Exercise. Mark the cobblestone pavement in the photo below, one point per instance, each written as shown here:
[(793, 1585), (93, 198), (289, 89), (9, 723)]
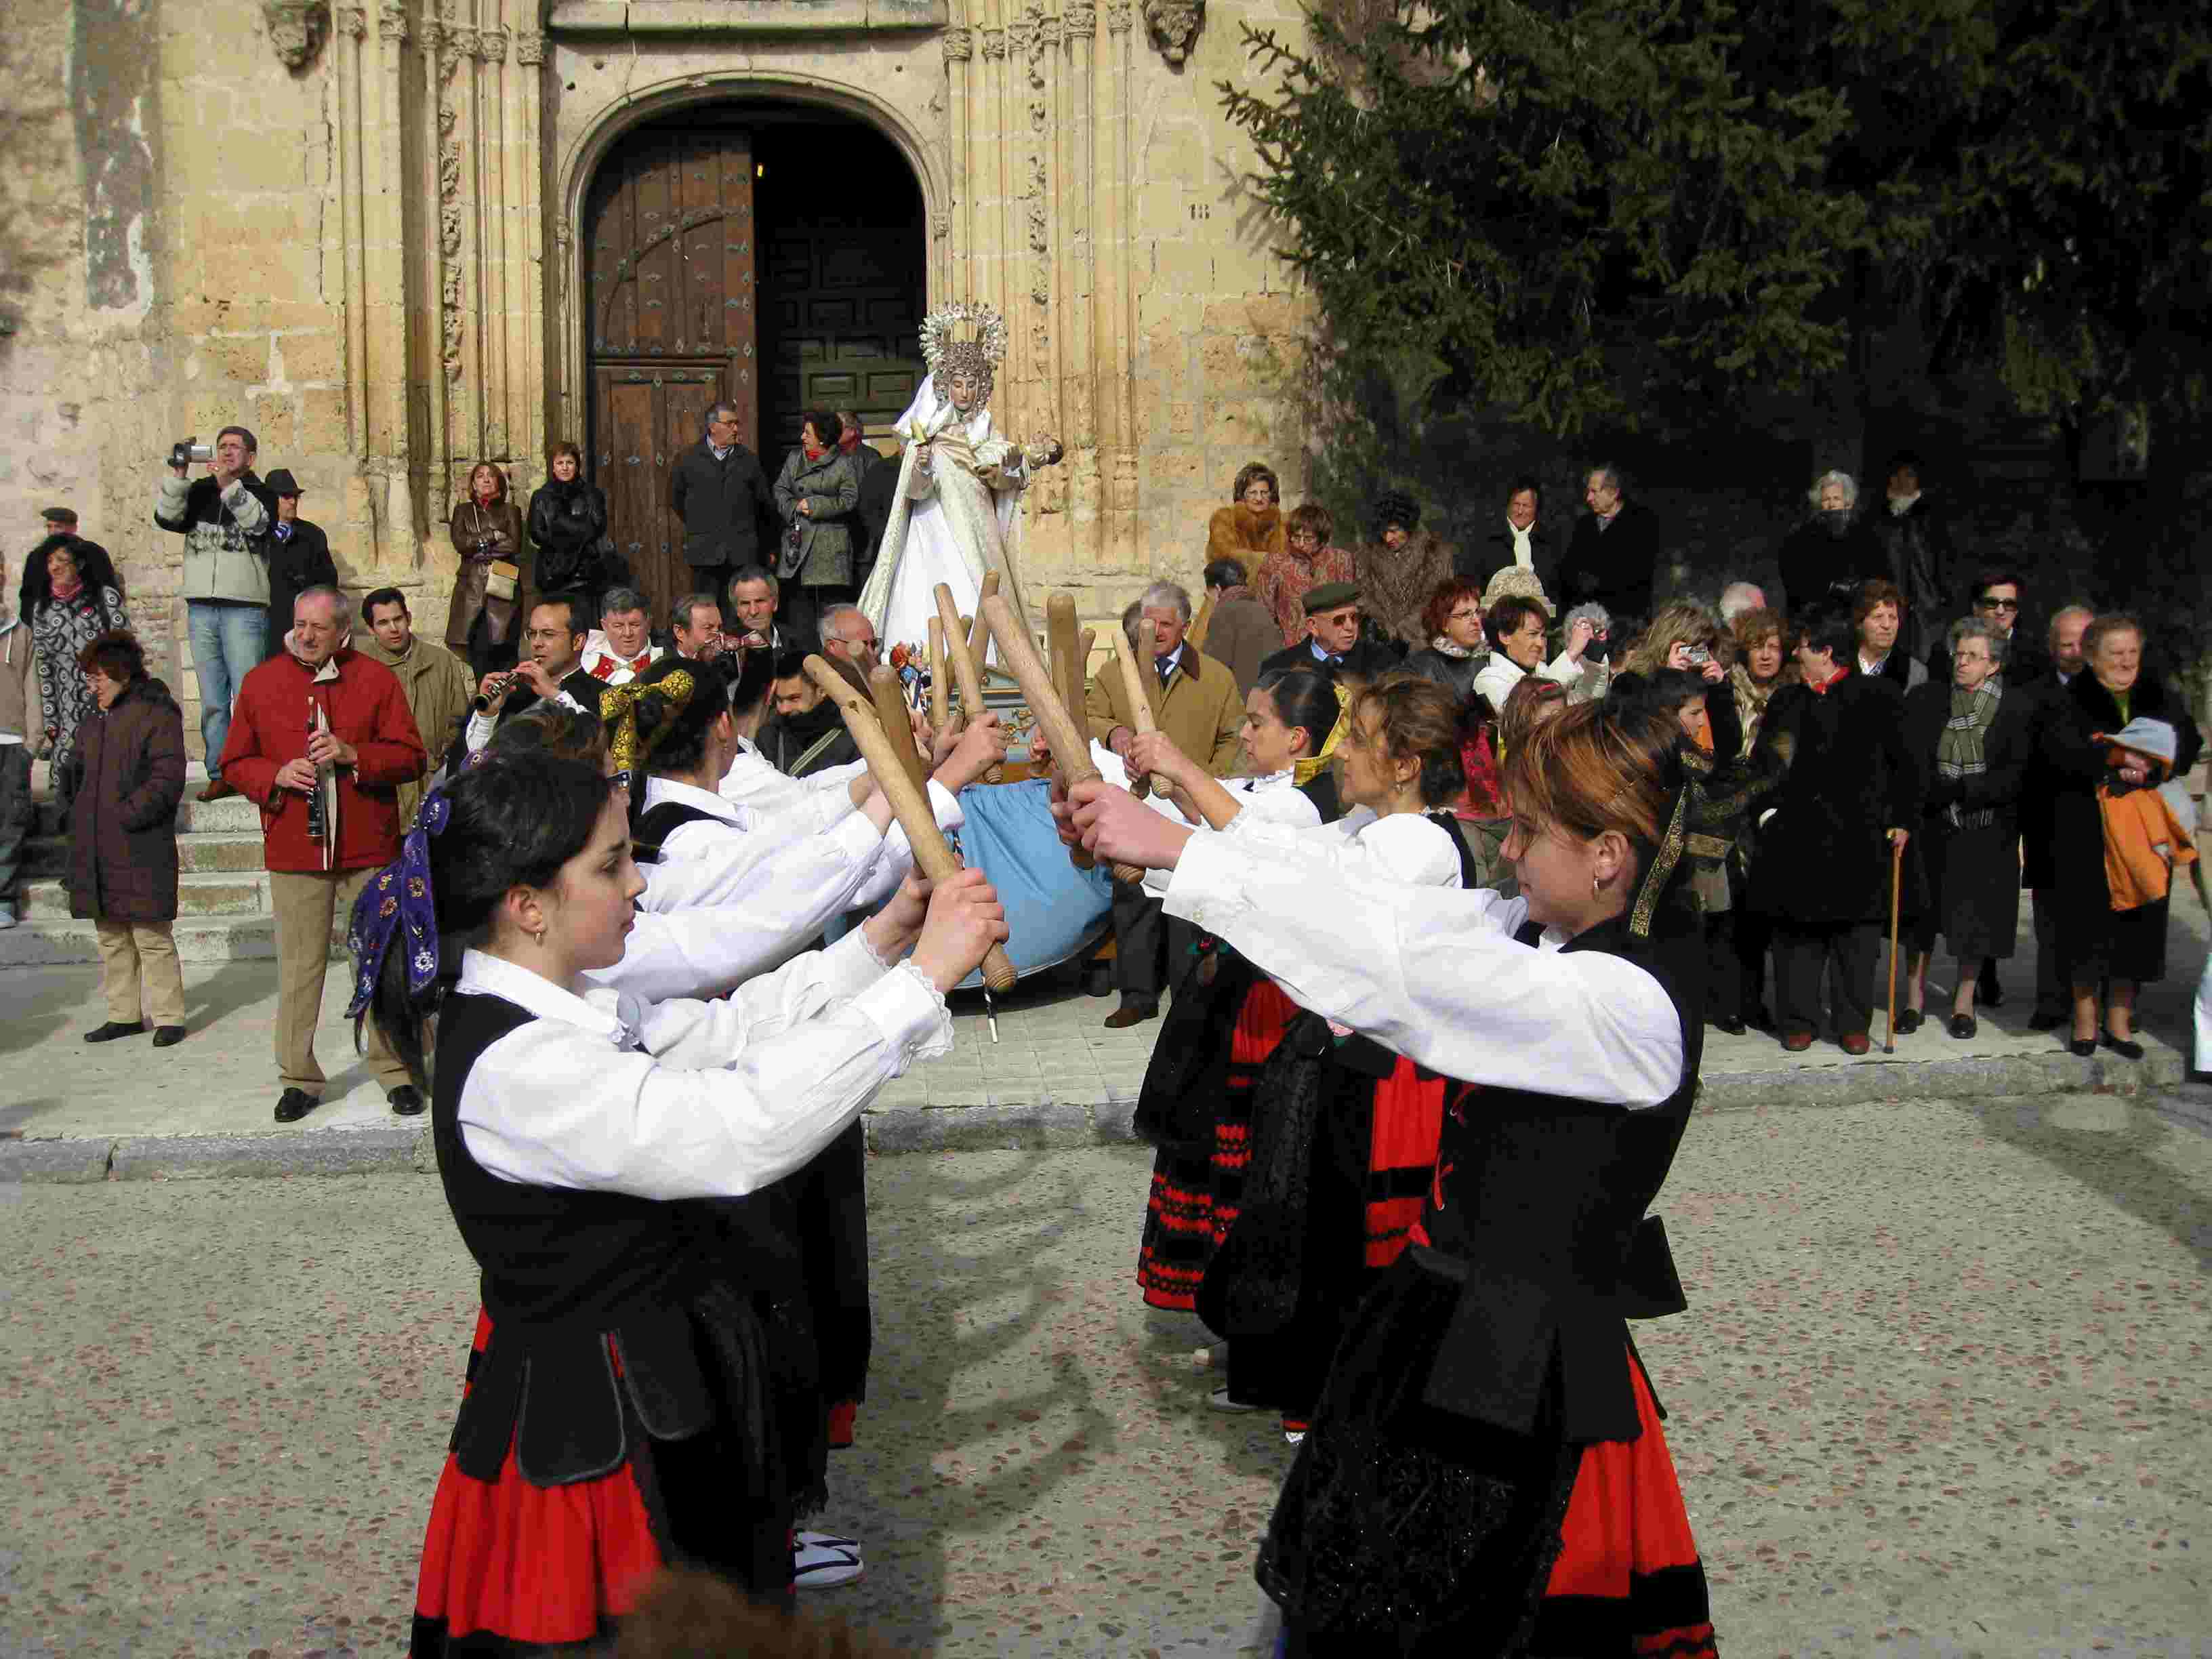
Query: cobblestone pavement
[(1941, 1391)]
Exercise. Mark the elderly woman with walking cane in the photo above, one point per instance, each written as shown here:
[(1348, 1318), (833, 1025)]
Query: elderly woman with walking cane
[(1830, 862)]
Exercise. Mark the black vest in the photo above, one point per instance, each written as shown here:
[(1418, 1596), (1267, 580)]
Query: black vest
[(655, 825), (1539, 1210), (567, 1275)]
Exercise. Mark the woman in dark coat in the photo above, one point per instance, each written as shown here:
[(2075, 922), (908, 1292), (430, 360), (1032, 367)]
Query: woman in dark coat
[(567, 517), (1972, 741), (70, 595), (129, 766), (2097, 944), (1827, 557), (817, 495), (1457, 647), (486, 531), (1822, 875)]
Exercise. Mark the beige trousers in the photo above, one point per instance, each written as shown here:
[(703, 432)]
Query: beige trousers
[(135, 956), (305, 906)]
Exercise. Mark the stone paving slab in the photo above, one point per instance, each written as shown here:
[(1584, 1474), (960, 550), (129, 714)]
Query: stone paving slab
[(1939, 1391)]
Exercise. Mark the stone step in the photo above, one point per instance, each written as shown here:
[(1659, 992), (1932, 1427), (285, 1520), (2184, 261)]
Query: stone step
[(245, 894), (233, 816), (228, 853), (50, 942)]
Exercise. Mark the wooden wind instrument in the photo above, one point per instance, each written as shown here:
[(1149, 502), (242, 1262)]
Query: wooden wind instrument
[(909, 803), (1071, 748)]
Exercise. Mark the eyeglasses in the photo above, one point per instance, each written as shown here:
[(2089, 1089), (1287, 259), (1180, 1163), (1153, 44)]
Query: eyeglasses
[(2000, 604)]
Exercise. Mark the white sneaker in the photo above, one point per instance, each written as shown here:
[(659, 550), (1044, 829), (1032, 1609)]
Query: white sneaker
[(1295, 1436), (820, 1560), (7, 918), (1220, 1402)]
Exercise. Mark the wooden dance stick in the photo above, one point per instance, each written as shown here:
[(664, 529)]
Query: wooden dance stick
[(1141, 717), (963, 667), (979, 630), (890, 695), (1070, 748), (939, 691), (1067, 681), (909, 804)]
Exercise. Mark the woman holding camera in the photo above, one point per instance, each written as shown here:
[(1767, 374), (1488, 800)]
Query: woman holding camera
[(487, 530)]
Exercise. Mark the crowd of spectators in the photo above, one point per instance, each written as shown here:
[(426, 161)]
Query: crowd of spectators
[(1886, 729)]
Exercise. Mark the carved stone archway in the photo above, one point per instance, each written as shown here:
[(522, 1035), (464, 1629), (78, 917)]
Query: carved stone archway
[(568, 289)]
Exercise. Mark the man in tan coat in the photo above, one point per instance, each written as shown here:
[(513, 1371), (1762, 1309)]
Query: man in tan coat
[(436, 681), (1200, 709)]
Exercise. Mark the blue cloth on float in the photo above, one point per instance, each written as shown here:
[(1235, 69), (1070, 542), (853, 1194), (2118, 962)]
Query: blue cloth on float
[(1054, 910)]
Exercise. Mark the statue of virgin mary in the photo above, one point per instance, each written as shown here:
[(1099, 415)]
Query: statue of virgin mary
[(958, 512)]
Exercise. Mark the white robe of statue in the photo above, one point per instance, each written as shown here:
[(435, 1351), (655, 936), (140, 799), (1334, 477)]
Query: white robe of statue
[(949, 524)]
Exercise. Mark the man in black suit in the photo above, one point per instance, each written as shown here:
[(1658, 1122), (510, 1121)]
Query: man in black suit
[(552, 667), (1519, 538), (1332, 644), (299, 557), (718, 490), (2046, 693), (1612, 559)]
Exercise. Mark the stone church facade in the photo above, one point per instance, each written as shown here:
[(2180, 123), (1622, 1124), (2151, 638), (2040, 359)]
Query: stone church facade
[(399, 238)]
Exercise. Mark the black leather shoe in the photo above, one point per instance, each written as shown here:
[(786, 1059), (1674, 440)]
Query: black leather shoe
[(168, 1036), (2082, 1048), (2125, 1048), (2043, 1020), (406, 1101), (114, 1029), (294, 1104), (1732, 1027), (1963, 1026), (1910, 1020)]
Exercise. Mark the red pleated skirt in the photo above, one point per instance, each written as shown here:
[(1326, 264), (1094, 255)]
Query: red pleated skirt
[(1628, 1579), (509, 1564), (1197, 1195)]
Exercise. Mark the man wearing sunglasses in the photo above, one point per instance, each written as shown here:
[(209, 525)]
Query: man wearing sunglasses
[(1997, 602)]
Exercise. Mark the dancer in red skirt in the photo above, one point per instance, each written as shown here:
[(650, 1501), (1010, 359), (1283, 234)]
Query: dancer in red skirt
[(1343, 1133), (622, 1412), (1487, 1473), (1225, 1020)]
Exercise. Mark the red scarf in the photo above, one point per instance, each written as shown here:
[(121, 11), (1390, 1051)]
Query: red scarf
[(1821, 690), (812, 454), (68, 595)]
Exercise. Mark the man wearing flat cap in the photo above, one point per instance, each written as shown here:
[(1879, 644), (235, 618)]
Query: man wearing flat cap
[(298, 558), (1333, 643), (60, 520)]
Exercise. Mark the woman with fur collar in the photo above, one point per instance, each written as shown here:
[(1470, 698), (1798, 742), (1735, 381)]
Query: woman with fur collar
[(1250, 527), (1400, 568)]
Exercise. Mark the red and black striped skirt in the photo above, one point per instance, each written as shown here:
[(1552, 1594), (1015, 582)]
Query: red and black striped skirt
[(1197, 1191)]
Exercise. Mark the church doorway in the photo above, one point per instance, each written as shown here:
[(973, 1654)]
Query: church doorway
[(772, 255)]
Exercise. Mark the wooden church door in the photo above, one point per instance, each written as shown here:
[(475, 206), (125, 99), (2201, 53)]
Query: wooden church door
[(674, 329)]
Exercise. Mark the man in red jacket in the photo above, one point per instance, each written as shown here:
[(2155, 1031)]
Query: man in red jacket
[(315, 715)]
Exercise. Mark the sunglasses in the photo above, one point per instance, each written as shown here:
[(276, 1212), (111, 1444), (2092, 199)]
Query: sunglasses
[(1999, 604)]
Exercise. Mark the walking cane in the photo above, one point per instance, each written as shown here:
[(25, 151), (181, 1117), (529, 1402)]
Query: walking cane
[(1896, 880)]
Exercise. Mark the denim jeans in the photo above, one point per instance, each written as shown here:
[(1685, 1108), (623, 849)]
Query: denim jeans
[(227, 640)]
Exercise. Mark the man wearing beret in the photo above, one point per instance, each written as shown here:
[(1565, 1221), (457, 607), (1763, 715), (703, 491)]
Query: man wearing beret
[(1333, 643), (298, 558)]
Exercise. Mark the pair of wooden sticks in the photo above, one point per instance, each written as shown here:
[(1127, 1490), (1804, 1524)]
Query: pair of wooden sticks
[(899, 770)]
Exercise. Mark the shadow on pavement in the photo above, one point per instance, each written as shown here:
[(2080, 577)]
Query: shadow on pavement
[(2105, 1143)]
